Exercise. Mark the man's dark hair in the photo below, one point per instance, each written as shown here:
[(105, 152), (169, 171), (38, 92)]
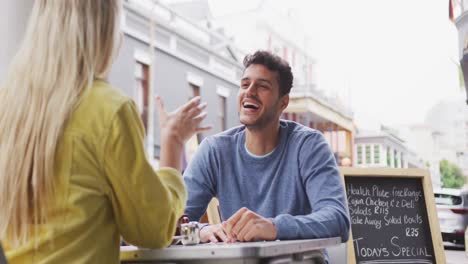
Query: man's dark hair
[(273, 63)]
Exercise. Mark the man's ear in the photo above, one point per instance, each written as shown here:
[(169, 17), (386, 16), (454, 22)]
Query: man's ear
[(284, 102)]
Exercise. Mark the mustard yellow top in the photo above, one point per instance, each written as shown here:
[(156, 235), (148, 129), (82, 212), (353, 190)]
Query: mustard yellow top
[(107, 188)]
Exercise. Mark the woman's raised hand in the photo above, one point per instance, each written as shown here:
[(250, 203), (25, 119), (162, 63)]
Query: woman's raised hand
[(184, 122), (177, 127)]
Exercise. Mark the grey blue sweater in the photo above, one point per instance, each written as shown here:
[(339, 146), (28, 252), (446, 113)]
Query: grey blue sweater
[(297, 185)]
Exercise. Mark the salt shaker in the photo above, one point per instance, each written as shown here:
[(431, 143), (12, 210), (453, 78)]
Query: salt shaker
[(190, 233)]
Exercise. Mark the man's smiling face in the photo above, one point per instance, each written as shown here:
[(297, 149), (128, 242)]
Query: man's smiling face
[(259, 101)]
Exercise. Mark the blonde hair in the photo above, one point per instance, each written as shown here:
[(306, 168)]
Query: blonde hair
[(67, 44)]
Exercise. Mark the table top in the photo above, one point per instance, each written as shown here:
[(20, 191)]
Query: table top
[(228, 250)]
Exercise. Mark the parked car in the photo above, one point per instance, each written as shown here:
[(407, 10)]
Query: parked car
[(452, 210)]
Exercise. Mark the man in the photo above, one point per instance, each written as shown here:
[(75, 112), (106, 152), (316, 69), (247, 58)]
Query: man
[(274, 179)]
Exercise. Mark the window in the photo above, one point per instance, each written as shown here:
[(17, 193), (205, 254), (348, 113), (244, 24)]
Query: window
[(389, 159), (223, 94), (302, 119), (359, 154), (142, 91), (376, 154), (466, 134), (395, 159), (222, 112), (196, 92), (368, 154)]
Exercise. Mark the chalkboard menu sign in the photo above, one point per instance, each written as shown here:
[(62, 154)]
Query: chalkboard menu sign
[(390, 220)]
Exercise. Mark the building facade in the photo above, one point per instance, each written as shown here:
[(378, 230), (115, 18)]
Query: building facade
[(458, 13), (450, 119), (383, 149), (425, 142), (277, 31), (165, 54)]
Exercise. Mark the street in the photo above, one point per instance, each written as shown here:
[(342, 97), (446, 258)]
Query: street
[(455, 256)]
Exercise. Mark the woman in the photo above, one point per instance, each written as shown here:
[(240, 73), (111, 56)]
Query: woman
[(74, 177)]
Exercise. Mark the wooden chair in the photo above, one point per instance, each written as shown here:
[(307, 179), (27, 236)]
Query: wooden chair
[(212, 214)]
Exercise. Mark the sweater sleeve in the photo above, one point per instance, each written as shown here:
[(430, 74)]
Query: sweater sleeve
[(146, 204), (326, 194), (200, 181)]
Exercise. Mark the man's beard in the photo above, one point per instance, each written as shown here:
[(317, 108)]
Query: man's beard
[(264, 120)]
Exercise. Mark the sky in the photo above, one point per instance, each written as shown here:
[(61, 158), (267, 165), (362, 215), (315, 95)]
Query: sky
[(392, 59)]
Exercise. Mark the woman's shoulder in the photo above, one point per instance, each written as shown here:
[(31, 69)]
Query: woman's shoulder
[(105, 95), (102, 98), (98, 106)]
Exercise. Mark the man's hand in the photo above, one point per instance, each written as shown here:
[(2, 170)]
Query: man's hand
[(213, 233), (246, 225)]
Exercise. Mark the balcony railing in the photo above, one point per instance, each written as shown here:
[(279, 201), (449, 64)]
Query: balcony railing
[(311, 91)]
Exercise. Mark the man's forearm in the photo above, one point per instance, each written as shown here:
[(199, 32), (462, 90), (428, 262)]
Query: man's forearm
[(322, 224)]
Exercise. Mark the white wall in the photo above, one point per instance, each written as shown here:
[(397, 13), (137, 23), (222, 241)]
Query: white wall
[(13, 19)]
